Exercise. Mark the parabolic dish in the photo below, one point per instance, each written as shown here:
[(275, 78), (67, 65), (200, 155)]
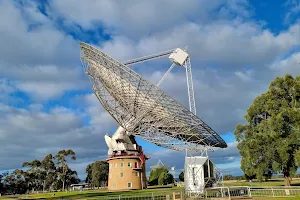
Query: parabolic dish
[(142, 108)]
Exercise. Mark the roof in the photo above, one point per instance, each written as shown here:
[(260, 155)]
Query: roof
[(80, 184), (142, 108), (195, 160)]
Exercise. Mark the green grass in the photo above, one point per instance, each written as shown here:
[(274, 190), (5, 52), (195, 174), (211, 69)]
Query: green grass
[(95, 194), (100, 194), (274, 182), (276, 198)]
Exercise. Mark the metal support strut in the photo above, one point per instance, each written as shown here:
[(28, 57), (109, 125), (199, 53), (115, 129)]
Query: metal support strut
[(165, 75), (189, 80)]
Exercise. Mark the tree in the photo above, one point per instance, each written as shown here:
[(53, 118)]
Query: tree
[(33, 176), (88, 171), (160, 176), (71, 177), (269, 142), (227, 177), (246, 177), (62, 158), (155, 173), (181, 176), (99, 173), (2, 179), (170, 178), (15, 182), (40, 175), (49, 171), (165, 178), (239, 178)]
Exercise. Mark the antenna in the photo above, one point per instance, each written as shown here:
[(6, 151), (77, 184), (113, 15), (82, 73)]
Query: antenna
[(143, 110), (159, 165), (173, 171)]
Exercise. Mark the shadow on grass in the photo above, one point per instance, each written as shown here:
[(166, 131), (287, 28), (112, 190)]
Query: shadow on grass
[(111, 194)]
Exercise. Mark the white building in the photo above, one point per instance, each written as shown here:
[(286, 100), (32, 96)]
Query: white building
[(199, 172)]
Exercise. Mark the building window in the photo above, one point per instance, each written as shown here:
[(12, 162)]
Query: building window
[(116, 165), (122, 174), (136, 174), (129, 164), (135, 165), (114, 185), (130, 185), (122, 164)]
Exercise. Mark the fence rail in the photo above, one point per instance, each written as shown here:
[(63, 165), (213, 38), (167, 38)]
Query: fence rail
[(246, 191), (276, 191), (157, 195), (210, 193)]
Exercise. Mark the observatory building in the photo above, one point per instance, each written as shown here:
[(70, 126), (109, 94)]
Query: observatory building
[(127, 169)]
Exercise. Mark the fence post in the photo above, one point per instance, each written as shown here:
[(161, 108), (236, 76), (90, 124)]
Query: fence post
[(273, 192), (228, 193), (249, 192), (119, 197), (152, 196)]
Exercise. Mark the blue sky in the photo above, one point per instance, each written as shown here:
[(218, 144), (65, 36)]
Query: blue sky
[(46, 102)]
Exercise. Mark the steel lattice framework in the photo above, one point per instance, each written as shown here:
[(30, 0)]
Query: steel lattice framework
[(142, 108)]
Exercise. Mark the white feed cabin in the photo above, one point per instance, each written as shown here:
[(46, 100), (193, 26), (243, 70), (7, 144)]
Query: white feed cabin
[(199, 172), (178, 57)]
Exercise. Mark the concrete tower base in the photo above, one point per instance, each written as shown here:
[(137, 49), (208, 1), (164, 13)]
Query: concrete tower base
[(126, 174)]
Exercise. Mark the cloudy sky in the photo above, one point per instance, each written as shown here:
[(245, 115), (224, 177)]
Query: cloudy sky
[(46, 103)]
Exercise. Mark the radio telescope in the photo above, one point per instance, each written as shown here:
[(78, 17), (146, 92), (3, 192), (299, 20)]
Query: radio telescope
[(143, 110)]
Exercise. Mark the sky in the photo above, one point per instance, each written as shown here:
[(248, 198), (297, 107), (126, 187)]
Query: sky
[(46, 103)]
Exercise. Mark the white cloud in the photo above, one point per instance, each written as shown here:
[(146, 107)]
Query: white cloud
[(5, 87), (45, 82), (28, 134), (231, 43), (244, 76), (24, 45), (290, 64), (6, 90), (230, 60), (219, 157), (34, 54), (100, 119), (294, 9), (135, 19)]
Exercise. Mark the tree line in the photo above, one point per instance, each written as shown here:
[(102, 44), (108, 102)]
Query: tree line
[(53, 173), (228, 177), (50, 174)]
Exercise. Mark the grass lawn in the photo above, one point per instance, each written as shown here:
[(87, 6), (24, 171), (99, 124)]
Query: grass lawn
[(276, 198), (273, 182), (100, 194), (95, 194)]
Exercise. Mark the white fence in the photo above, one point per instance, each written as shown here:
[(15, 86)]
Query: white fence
[(210, 193), (155, 195), (246, 191), (276, 191)]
